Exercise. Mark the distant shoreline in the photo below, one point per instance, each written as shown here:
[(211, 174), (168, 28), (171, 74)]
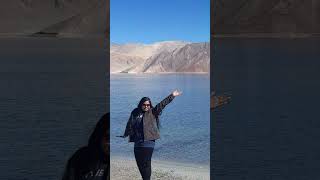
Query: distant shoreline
[(161, 73), (268, 35), (242, 35), (52, 35)]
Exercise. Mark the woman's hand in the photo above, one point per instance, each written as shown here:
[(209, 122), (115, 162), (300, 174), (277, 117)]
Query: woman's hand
[(176, 93)]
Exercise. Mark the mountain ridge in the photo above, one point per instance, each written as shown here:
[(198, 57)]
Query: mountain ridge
[(161, 57), (61, 18)]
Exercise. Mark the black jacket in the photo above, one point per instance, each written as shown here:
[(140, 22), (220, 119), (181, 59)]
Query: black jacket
[(150, 128)]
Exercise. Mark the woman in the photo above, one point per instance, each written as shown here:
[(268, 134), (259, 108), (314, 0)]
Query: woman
[(143, 129)]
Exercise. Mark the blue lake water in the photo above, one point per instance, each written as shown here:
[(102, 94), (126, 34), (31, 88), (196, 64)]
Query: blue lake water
[(185, 122)]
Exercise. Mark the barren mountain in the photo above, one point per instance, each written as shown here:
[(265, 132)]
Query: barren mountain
[(145, 50), (124, 63), (131, 57), (283, 17), (54, 17), (193, 57), (169, 56)]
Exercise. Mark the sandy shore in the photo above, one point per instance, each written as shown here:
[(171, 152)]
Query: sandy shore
[(126, 169)]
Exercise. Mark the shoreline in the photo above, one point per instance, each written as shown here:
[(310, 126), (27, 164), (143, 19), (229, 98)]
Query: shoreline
[(161, 73), (52, 35), (126, 169), (268, 35)]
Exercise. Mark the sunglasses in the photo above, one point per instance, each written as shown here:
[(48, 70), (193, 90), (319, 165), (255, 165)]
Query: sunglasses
[(146, 105)]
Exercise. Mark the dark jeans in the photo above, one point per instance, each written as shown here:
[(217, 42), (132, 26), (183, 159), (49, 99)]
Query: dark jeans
[(143, 158)]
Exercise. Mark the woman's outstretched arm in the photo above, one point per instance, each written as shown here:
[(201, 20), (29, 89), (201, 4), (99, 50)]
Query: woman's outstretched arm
[(128, 129), (160, 106)]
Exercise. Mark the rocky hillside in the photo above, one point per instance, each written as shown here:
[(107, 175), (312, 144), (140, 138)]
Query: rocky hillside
[(190, 58), (54, 17), (283, 17), (169, 56)]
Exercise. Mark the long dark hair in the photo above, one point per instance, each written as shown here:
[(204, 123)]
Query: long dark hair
[(144, 99), (102, 130)]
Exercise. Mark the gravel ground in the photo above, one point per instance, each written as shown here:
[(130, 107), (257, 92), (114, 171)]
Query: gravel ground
[(126, 169)]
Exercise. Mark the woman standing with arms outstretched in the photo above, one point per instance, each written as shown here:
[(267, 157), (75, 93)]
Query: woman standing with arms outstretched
[(143, 129)]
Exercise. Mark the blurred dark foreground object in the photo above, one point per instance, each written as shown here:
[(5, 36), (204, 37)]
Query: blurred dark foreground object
[(92, 161)]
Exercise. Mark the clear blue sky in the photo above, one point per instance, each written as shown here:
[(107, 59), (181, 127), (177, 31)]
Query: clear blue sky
[(148, 21)]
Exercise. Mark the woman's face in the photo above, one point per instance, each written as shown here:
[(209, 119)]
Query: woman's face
[(145, 106)]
